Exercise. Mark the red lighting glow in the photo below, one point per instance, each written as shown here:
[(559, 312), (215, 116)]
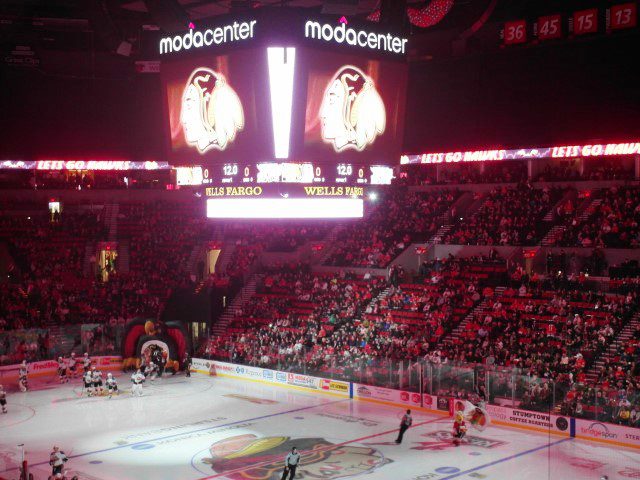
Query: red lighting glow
[(424, 17)]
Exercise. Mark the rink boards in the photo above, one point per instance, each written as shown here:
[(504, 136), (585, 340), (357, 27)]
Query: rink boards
[(9, 373), (541, 422)]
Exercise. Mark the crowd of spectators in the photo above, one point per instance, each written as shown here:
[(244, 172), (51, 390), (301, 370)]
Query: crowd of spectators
[(604, 170), (304, 320), (339, 325), (277, 236), (508, 216), (612, 223), (350, 327), (514, 171), (402, 217), (460, 174), (553, 335)]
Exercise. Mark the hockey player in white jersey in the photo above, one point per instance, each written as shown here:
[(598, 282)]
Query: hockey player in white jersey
[(137, 379), (87, 378), (112, 385), (151, 371), (62, 370), (73, 366), (3, 399), (23, 384), (86, 362), (97, 380)]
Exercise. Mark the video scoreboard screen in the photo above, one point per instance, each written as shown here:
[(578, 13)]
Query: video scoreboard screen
[(293, 101)]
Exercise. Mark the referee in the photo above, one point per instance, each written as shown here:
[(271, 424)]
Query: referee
[(290, 464), (404, 426)]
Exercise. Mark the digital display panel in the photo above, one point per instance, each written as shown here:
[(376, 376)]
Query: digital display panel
[(293, 104), (284, 201), (299, 102), (354, 108), (216, 108), (287, 172)]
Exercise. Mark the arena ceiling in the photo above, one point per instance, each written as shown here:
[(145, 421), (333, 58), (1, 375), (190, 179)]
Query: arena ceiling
[(435, 25)]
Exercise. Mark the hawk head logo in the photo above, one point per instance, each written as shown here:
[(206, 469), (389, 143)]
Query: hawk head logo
[(248, 457), (352, 113), (211, 111)]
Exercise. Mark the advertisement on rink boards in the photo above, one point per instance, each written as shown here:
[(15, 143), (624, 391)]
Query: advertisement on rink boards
[(265, 375), (414, 399), (50, 367), (205, 367), (539, 421), (607, 433)]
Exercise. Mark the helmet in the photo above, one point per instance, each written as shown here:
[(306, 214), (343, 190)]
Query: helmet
[(459, 416), (86, 354), (109, 375)]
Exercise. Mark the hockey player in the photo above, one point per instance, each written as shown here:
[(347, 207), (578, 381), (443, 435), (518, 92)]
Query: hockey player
[(62, 370), (97, 380), (459, 428), (23, 384), (86, 362), (87, 378), (187, 364), (151, 371), (137, 379), (3, 399), (112, 385), (73, 368), (57, 459)]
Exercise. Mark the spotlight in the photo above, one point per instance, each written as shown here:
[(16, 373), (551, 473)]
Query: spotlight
[(373, 196)]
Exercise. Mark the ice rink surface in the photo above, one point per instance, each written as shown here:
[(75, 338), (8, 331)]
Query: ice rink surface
[(215, 428)]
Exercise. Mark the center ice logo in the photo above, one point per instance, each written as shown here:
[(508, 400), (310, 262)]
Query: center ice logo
[(246, 457)]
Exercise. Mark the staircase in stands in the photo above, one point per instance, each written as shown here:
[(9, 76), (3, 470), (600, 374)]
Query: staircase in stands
[(330, 242), (225, 256), (220, 327), (122, 262), (479, 310), (111, 211), (614, 348), (585, 210), (197, 253), (437, 237), (87, 264)]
